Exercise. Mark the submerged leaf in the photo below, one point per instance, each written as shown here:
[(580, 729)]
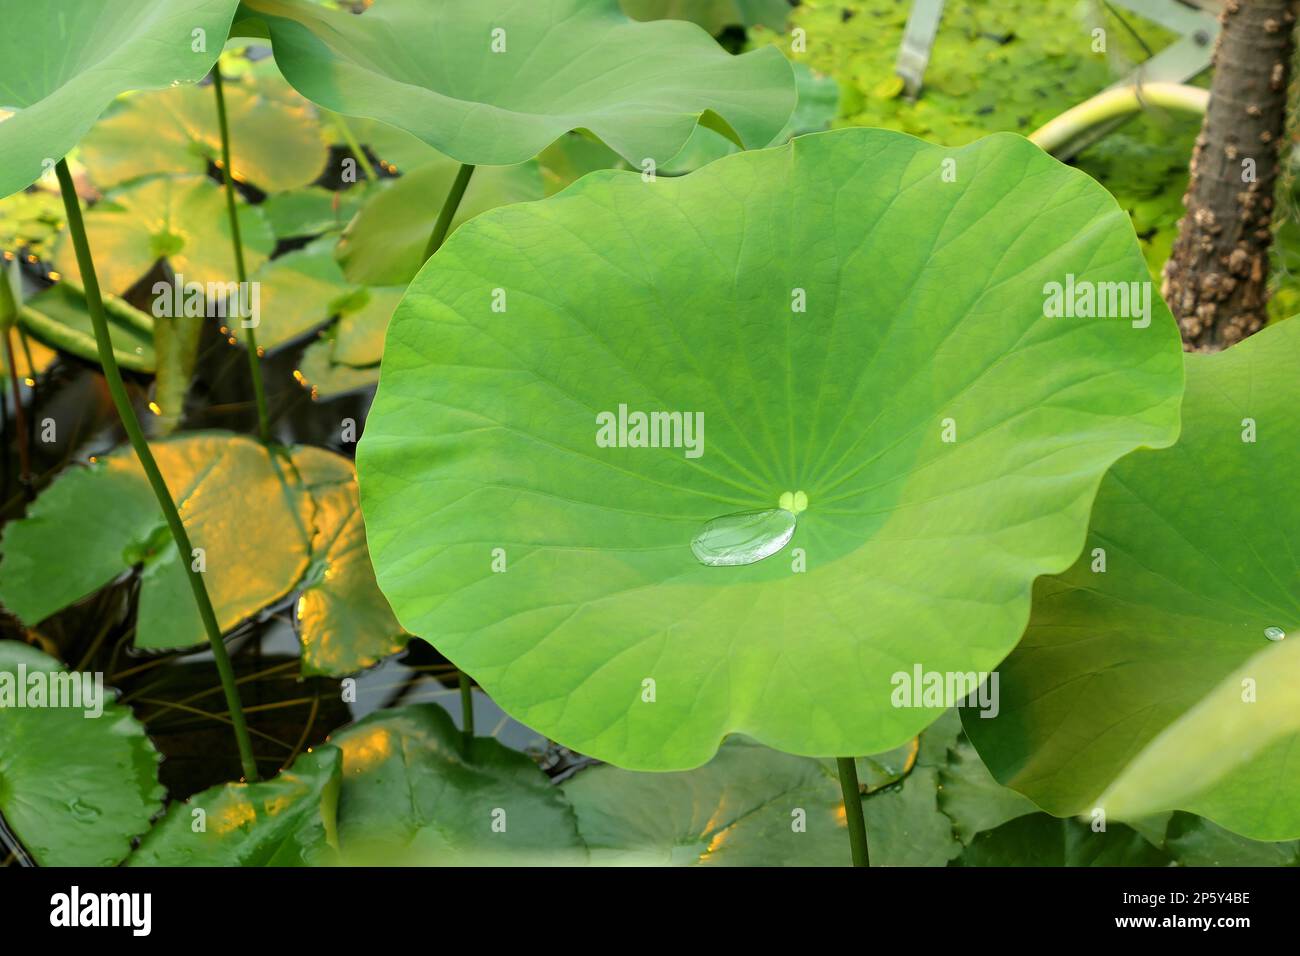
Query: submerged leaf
[(300, 291), (30, 220), (738, 809), (289, 820), (411, 795), (312, 211), (75, 787), (1196, 841), (1041, 840), (304, 289), (856, 326), (181, 219), (343, 620), (751, 806), (971, 797), (275, 146), (240, 505), (324, 378)]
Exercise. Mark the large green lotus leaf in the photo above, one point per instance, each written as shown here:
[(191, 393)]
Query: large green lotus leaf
[(574, 155), (74, 788), (289, 820), (924, 315), (66, 60), (558, 65), (275, 145), (752, 806), (1174, 697), (181, 219), (385, 243), (240, 504), (411, 795), (343, 620), (1042, 840)]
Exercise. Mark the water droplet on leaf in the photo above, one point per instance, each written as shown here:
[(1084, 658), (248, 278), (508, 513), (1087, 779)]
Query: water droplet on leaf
[(1274, 633), (743, 538)]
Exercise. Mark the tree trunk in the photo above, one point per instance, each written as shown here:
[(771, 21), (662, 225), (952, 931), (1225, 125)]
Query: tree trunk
[(1216, 280)]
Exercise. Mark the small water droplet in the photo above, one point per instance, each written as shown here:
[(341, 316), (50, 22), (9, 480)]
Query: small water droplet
[(1274, 633), (743, 538)]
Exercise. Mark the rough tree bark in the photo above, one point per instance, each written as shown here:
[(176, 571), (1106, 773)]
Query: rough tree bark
[(1216, 280)]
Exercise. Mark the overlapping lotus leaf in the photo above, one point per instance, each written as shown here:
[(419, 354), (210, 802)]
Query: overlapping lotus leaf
[(1160, 671), (494, 82), (66, 60)]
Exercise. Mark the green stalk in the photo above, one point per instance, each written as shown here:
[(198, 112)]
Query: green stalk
[(355, 147), (20, 415), (117, 389), (466, 712), (440, 230), (1115, 103), (27, 354), (449, 207), (8, 319), (853, 810), (254, 356)]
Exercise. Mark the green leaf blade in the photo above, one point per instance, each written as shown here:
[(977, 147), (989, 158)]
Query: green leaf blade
[(1176, 699), (289, 820), (79, 803), (66, 62), (411, 794), (507, 80), (924, 303)]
